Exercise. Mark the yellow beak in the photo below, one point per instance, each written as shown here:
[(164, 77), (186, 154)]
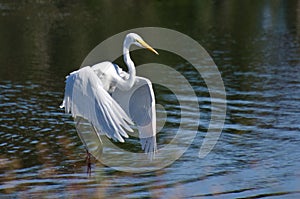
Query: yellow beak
[(147, 46)]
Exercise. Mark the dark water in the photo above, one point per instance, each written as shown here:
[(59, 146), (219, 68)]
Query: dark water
[(256, 45)]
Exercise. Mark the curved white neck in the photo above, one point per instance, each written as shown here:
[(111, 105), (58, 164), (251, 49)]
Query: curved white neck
[(130, 65)]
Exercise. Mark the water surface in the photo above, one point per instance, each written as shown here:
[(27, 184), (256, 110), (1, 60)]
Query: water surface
[(256, 45)]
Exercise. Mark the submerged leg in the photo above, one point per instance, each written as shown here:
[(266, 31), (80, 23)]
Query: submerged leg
[(89, 163)]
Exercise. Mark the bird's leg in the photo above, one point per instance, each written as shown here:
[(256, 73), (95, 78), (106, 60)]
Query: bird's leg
[(88, 161), (78, 120), (88, 155)]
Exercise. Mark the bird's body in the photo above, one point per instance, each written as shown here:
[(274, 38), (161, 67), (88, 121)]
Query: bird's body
[(109, 74), (113, 100)]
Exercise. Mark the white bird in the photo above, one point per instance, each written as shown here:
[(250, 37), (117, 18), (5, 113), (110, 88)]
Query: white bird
[(113, 100)]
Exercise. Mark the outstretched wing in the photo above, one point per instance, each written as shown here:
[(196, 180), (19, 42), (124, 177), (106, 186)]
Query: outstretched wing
[(139, 104), (85, 97)]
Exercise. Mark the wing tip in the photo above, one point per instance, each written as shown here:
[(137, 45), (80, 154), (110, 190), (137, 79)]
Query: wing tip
[(149, 144)]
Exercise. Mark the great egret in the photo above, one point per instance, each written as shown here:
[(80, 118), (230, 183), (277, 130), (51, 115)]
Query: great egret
[(113, 100)]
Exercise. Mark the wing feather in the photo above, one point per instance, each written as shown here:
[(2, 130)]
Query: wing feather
[(86, 97), (139, 104)]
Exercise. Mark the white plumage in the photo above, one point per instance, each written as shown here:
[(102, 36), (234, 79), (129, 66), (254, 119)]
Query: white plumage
[(112, 100)]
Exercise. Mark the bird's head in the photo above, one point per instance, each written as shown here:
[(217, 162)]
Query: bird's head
[(137, 40)]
